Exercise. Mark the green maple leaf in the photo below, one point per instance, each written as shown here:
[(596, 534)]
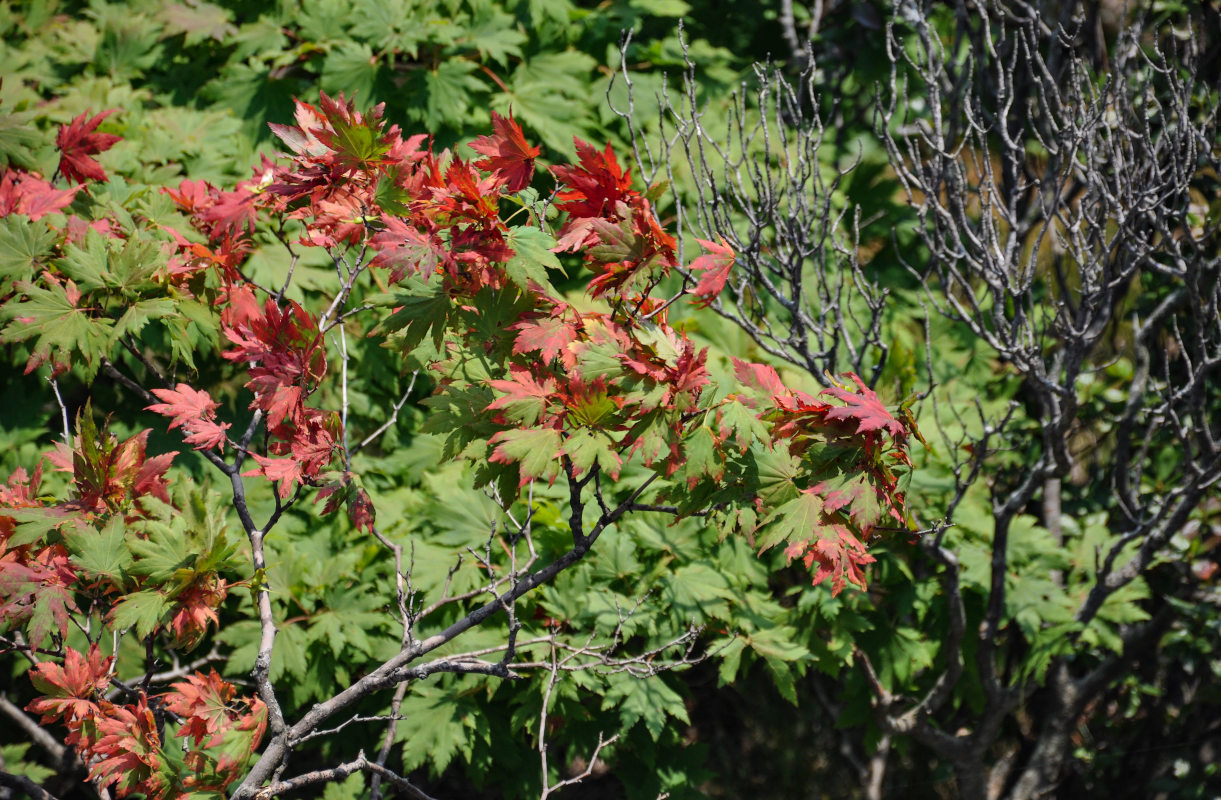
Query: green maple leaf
[(743, 424), (165, 555), (142, 610), (102, 554), (795, 520), (777, 474), (703, 459), (586, 448), (56, 323), (532, 257), (421, 310), (494, 34), (535, 450), (127, 265), (23, 245)]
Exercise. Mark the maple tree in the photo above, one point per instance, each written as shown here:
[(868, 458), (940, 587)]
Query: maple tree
[(449, 264)]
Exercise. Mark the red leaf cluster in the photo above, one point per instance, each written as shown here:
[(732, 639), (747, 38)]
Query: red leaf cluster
[(77, 141), (27, 193), (122, 743), (283, 346), (36, 578), (195, 411), (614, 224), (509, 158), (852, 507)]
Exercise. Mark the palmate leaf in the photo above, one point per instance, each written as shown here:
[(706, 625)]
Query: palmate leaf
[(508, 155), (702, 459), (23, 246), (77, 141), (166, 554), (857, 497), (549, 337), (141, 610), (494, 34), (58, 326), (795, 520), (19, 140), (777, 473), (863, 408), (586, 448), (102, 554), (532, 257), (423, 310), (536, 451), (141, 312), (124, 264), (69, 691), (649, 702), (619, 242), (441, 730), (525, 398), (446, 94), (199, 21), (353, 68), (741, 424), (713, 269)]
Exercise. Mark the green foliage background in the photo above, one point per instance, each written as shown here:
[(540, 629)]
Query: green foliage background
[(196, 84)]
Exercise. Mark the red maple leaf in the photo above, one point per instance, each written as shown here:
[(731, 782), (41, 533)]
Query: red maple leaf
[(204, 434), (549, 336), (402, 248), (509, 157), (195, 607), (863, 407), (150, 478), (840, 557), (195, 411), (26, 193), (77, 141), (184, 404), (760, 377), (596, 186), (525, 397), (714, 266), (71, 691), (313, 445), (203, 703), (285, 470), (361, 511), (229, 213), (127, 748)]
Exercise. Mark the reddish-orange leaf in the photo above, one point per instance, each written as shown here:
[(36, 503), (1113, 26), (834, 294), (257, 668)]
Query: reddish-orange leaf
[(509, 157), (361, 511), (596, 186), (71, 690), (184, 404), (713, 268), (77, 141), (203, 703), (864, 408), (195, 411), (549, 336), (205, 433), (26, 193), (759, 376), (285, 470), (128, 748), (525, 397)]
